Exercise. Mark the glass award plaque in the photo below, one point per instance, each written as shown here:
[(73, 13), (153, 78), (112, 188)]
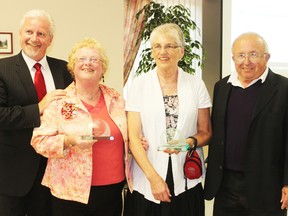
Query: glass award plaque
[(100, 130), (172, 139)]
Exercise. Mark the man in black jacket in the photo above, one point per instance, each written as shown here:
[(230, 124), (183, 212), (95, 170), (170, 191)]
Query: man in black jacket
[(21, 168), (247, 169)]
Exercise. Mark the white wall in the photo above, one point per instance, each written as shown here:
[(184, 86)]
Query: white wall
[(269, 22), (74, 20)]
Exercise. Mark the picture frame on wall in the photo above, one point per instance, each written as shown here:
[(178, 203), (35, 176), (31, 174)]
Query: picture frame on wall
[(6, 42)]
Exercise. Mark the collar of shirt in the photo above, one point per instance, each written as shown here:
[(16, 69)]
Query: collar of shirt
[(30, 62), (49, 81), (233, 79)]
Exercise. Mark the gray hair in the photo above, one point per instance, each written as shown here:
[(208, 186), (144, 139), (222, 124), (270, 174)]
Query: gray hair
[(252, 34), (169, 28), (39, 13)]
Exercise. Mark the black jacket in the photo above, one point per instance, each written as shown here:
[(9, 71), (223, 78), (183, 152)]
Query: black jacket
[(19, 114), (266, 156)]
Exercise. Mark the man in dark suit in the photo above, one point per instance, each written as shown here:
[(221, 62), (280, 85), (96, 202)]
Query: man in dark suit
[(247, 169), (21, 168)]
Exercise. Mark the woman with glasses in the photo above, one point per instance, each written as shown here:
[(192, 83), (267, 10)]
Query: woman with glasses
[(166, 99), (84, 137)]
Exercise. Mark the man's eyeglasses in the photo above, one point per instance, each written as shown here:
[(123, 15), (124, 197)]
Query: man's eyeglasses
[(92, 60), (167, 47), (253, 57)]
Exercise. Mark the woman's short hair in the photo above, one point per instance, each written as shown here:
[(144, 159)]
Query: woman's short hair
[(171, 29), (91, 44)]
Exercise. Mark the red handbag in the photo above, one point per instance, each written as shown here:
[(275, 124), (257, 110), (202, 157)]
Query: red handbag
[(192, 166)]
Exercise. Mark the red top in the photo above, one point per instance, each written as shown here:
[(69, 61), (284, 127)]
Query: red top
[(108, 155)]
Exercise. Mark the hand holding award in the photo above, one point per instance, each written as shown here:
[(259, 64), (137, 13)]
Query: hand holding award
[(100, 131), (172, 139)]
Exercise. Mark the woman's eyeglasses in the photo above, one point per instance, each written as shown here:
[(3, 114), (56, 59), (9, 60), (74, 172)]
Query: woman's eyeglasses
[(167, 47)]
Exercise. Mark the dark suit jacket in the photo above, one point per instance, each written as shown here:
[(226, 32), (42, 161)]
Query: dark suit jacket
[(266, 156), (19, 114)]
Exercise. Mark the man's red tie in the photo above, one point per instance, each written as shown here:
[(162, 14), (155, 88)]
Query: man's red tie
[(39, 82)]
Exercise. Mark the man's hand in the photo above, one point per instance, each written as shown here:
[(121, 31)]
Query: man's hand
[(144, 143), (49, 97)]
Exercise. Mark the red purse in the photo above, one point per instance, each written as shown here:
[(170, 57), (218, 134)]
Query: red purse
[(192, 166)]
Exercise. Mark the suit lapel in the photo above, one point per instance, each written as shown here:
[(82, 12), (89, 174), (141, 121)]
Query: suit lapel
[(57, 75), (24, 73), (223, 99)]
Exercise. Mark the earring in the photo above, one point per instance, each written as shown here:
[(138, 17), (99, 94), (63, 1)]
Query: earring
[(103, 78)]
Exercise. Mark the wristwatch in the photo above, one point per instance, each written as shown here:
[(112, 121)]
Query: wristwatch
[(195, 142)]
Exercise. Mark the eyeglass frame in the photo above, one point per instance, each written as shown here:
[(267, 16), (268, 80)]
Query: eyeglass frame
[(92, 60), (253, 57), (166, 47)]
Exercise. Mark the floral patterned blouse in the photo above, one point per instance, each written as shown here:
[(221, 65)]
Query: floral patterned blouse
[(69, 171), (171, 105)]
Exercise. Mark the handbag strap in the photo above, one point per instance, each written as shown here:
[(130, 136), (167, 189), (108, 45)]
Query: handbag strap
[(191, 150), (189, 154)]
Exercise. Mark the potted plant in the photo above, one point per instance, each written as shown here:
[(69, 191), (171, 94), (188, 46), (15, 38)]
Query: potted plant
[(157, 14)]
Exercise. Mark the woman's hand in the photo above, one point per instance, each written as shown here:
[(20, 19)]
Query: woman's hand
[(160, 189), (171, 150), (76, 140)]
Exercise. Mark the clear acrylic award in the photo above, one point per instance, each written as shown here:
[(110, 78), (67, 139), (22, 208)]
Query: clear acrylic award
[(99, 129), (172, 139)]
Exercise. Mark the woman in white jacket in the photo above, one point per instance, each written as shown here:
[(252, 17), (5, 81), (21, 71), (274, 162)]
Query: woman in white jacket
[(166, 98)]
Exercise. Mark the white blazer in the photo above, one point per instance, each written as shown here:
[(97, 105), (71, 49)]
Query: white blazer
[(145, 96)]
